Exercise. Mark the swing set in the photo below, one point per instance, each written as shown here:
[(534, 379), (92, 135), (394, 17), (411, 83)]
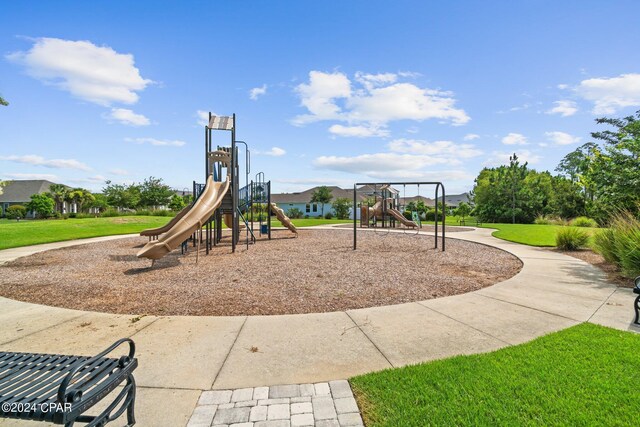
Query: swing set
[(386, 210)]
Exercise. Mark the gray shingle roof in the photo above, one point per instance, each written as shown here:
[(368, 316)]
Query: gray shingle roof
[(20, 191)]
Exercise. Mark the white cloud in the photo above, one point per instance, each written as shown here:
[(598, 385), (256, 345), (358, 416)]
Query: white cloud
[(543, 144), (562, 138), (93, 73), (274, 152), (370, 164), (156, 142), (128, 117), (319, 96), (47, 176), (611, 94), (514, 139), (498, 158), (446, 149), (358, 131), (32, 159), (372, 100), (99, 179), (562, 86), (203, 117), (471, 137), (257, 92), (564, 108), (120, 172)]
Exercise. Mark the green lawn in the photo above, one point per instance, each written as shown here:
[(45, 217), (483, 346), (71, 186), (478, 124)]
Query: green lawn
[(33, 232), (583, 376), (528, 234), (24, 233)]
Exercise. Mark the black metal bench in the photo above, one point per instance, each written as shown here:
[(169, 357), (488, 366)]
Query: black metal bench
[(60, 388), (636, 303)]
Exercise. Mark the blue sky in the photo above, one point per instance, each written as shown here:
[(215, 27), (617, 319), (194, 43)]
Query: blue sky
[(329, 92)]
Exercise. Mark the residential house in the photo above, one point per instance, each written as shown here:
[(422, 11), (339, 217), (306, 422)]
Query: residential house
[(19, 192)]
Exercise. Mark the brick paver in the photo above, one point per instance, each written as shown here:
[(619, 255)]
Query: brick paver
[(292, 405)]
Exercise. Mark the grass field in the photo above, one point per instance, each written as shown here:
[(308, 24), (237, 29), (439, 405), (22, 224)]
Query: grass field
[(14, 234), (583, 376), (528, 234), (26, 233)]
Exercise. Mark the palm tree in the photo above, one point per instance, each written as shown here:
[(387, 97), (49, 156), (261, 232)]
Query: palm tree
[(59, 194), (80, 197)]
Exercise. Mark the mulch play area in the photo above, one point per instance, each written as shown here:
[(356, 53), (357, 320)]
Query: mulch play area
[(316, 272)]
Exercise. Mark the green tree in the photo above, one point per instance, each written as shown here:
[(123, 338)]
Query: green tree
[(59, 194), (511, 193), (567, 198), (80, 197), (154, 193), (463, 210), (177, 203), (341, 207), (609, 169), (3, 102), (321, 195), (122, 196), (99, 202), (2, 185), (41, 204)]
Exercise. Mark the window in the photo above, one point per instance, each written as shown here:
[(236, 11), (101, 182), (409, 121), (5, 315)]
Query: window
[(308, 208), (315, 207)]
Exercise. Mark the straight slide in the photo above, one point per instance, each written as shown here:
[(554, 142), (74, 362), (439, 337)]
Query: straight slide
[(284, 219), (194, 219), (397, 215)]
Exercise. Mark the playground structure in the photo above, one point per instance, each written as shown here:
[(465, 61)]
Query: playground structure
[(219, 200), (384, 210)]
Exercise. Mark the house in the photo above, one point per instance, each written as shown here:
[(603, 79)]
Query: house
[(19, 192), (302, 201)]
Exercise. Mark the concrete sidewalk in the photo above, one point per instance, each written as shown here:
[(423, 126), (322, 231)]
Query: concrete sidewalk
[(182, 356)]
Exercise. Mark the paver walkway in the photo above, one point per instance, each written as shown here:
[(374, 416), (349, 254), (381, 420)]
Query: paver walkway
[(180, 357), (327, 404)]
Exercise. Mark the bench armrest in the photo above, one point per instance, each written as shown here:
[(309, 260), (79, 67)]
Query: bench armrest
[(64, 396)]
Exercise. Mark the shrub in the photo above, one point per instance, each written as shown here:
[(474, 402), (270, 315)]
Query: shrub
[(620, 244), (570, 238), (328, 215), (294, 213), (16, 211), (430, 215), (72, 215), (542, 220), (583, 221), (109, 213)]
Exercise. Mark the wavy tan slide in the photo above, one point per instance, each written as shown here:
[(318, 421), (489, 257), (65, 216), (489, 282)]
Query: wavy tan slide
[(397, 215), (151, 232), (194, 219), (283, 218)]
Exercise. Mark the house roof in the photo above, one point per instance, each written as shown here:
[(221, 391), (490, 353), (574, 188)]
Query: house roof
[(20, 191), (305, 196)]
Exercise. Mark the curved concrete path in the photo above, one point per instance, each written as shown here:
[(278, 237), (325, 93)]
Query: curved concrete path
[(181, 356)]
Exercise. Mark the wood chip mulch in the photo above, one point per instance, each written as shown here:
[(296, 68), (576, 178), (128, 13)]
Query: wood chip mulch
[(316, 272)]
